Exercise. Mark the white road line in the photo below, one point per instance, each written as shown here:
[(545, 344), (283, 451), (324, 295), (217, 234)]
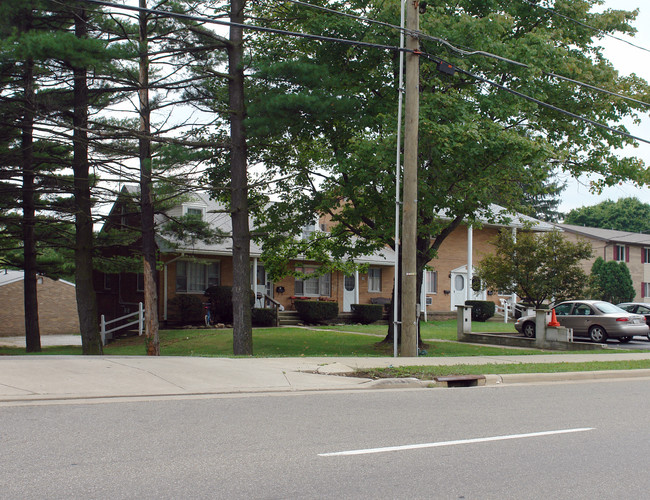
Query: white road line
[(453, 443)]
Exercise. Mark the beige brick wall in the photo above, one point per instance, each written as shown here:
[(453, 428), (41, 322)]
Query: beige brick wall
[(639, 271), (57, 308)]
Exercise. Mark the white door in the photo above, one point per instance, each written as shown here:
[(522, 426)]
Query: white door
[(458, 289), (262, 286), (349, 292)]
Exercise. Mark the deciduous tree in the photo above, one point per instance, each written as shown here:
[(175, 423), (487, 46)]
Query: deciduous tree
[(538, 267)]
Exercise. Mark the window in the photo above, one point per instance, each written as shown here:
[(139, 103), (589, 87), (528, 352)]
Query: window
[(582, 310), (194, 212), (195, 277), (620, 253), (308, 230), (314, 287), (563, 309), (645, 290), (374, 279), (645, 255), (431, 281)]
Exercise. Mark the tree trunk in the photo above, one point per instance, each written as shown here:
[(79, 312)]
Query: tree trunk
[(32, 331), (146, 202), (84, 287), (242, 330)]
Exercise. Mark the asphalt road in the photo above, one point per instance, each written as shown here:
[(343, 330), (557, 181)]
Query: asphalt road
[(573, 440)]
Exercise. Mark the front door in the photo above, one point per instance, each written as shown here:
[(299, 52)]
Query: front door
[(349, 292), (262, 286), (459, 284), (458, 291)]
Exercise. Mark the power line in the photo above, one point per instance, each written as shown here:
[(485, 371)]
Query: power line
[(542, 103), (584, 25), (207, 20), (424, 36), (252, 27)]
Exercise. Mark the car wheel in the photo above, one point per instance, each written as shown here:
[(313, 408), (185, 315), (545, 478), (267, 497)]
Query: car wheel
[(624, 340), (529, 330), (598, 334)]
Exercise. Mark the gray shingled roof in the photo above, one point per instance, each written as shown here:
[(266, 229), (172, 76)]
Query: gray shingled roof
[(608, 234)]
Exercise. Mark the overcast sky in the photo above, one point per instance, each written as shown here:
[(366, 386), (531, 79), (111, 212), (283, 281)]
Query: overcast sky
[(627, 60)]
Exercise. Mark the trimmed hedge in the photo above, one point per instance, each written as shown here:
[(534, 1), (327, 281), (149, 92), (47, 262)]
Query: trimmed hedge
[(263, 317), (367, 313), (482, 310), (221, 302), (186, 309), (316, 311)]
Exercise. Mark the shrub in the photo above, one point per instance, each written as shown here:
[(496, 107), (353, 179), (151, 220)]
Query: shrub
[(482, 310), (316, 311), (367, 313), (263, 317), (186, 309), (221, 302)]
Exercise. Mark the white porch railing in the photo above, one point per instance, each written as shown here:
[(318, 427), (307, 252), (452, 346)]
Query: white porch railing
[(107, 334), (507, 309)]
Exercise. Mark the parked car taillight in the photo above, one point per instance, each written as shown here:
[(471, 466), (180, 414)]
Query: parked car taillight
[(622, 319)]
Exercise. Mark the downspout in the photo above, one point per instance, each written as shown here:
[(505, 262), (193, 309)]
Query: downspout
[(254, 278), (470, 249), (356, 286)]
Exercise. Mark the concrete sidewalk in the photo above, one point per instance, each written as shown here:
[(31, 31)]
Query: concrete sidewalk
[(34, 378)]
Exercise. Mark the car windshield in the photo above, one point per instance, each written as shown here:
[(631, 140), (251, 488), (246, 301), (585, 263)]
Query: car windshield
[(607, 308)]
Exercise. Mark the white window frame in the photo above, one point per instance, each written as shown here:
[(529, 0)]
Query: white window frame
[(201, 275), (431, 278), (619, 251), (646, 255), (188, 209), (319, 286), (374, 279)]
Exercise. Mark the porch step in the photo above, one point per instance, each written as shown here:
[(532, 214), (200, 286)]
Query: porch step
[(287, 318)]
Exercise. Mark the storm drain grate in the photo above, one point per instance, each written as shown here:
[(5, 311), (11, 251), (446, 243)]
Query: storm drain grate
[(461, 380)]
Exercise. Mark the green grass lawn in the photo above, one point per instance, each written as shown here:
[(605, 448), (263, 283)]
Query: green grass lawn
[(429, 372), (287, 341), (440, 330)]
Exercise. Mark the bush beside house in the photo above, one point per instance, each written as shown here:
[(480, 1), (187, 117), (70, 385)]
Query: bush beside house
[(316, 311), (220, 298), (482, 310), (367, 313)]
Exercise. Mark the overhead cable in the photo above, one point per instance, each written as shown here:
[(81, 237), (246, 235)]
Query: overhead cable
[(463, 52), (362, 44), (584, 25)]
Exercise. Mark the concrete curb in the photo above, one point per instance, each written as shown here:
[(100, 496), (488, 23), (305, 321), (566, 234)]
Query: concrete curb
[(530, 378)]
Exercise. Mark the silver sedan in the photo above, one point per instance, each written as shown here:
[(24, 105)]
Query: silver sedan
[(595, 319)]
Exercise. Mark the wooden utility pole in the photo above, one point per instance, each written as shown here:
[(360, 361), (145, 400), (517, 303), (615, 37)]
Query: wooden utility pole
[(410, 205)]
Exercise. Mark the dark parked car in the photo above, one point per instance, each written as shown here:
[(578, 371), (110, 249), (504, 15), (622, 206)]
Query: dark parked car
[(595, 319)]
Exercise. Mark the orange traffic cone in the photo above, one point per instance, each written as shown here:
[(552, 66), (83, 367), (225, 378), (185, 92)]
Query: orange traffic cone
[(554, 322)]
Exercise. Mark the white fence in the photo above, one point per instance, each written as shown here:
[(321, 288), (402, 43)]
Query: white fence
[(108, 334)]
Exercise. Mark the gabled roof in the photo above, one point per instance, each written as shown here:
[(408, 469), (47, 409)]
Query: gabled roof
[(610, 235), (216, 216), (8, 276), (513, 220)]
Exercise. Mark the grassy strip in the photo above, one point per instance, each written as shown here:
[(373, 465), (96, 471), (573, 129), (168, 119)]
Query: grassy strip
[(278, 342), (442, 330), (429, 372)]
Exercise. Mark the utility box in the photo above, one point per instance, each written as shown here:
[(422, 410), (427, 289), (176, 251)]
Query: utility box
[(464, 320)]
